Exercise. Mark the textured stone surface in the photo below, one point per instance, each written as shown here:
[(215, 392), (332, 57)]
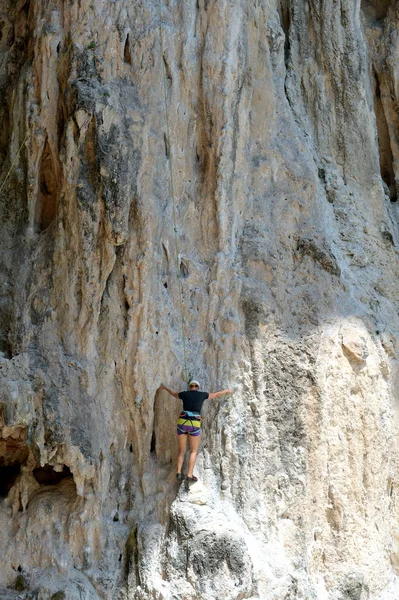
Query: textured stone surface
[(284, 144)]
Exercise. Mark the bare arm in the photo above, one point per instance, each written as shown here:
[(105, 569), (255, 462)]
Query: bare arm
[(174, 394), (218, 394)]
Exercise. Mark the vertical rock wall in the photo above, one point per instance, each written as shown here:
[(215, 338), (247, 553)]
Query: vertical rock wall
[(283, 121)]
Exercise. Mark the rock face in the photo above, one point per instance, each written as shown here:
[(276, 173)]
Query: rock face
[(281, 255)]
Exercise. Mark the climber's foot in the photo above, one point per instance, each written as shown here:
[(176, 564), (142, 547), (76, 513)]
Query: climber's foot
[(191, 479), (179, 477)]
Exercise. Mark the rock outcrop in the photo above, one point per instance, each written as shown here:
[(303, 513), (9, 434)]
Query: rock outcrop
[(281, 255)]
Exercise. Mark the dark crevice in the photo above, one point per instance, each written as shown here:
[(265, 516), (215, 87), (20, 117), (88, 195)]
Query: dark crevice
[(13, 454), (25, 7), (183, 271), (5, 130), (49, 185), (91, 151), (48, 476), (153, 443), (285, 24), (285, 21), (127, 57), (167, 69), (384, 143), (6, 346), (63, 73), (131, 560), (165, 139), (8, 476), (377, 9), (61, 120), (165, 261)]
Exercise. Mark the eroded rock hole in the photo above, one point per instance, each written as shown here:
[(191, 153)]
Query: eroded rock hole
[(46, 206), (13, 453), (378, 9), (183, 270), (48, 476), (8, 476), (6, 347), (127, 57), (384, 143)]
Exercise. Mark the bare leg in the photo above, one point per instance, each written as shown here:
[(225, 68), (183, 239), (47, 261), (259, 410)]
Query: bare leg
[(194, 445), (182, 442)]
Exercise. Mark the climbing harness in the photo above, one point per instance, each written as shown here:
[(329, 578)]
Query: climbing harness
[(189, 423), (169, 157)]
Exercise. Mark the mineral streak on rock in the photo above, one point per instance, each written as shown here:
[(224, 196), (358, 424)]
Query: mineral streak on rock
[(283, 121)]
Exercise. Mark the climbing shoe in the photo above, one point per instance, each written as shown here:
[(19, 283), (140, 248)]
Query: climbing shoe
[(191, 479), (179, 477)]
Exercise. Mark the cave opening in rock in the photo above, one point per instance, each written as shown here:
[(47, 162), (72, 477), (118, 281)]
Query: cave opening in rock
[(48, 476), (378, 9), (127, 57), (6, 346), (8, 476), (13, 454), (183, 271), (384, 143)]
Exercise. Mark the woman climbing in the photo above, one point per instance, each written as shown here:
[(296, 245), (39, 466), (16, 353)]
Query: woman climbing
[(189, 424)]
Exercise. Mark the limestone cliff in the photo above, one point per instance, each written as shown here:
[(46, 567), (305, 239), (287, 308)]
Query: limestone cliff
[(284, 147)]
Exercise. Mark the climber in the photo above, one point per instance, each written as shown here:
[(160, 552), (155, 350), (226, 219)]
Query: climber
[(189, 424)]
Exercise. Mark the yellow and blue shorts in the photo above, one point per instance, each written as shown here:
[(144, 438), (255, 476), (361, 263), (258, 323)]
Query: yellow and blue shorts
[(189, 423)]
